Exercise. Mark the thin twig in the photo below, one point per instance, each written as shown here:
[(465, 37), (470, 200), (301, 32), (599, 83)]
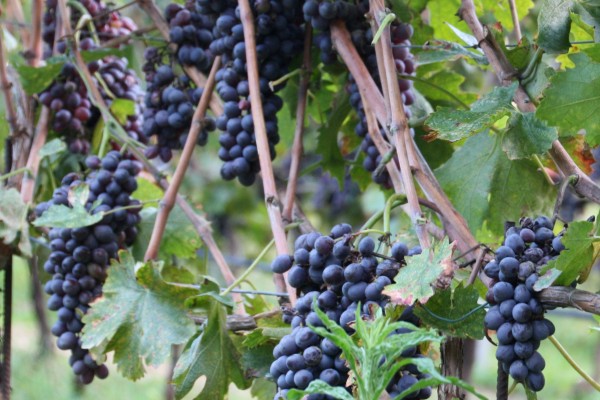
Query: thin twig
[(203, 228), (5, 85), (119, 40), (585, 186), (290, 193), (168, 201), (33, 161), (34, 54), (262, 144), (515, 18), (398, 123), (454, 224)]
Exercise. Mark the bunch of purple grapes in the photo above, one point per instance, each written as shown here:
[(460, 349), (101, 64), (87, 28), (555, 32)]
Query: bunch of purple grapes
[(170, 103), (278, 39), (327, 268), (517, 316), (73, 116), (80, 256), (107, 24)]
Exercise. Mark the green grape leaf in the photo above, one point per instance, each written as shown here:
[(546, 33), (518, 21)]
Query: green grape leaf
[(139, 316), (435, 51), (486, 187), (122, 108), (571, 102), (320, 387), (102, 52), (180, 239), (521, 55), (36, 79), (147, 192), (589, 11), (52, 147), (255, 361), (413, 282), (454, 305), (554, 25), (526, 135), (327, 142), (61, 216), (263, 388), (453, 125), (578, 255), (443, 86), (13, 220), (211, 354)]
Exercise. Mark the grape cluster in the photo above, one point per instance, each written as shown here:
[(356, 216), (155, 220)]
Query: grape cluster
[(170, 102), (72, 114), (327, 269), (192, 32), (278, 39), (516, 315), (107, 24), (80, 256), (67, 99)]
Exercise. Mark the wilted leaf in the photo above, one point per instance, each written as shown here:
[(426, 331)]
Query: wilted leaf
[(413, 282)]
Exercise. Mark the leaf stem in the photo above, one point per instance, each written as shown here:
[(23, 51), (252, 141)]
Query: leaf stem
[(249, 270), (574, 364), (387, 211), (15, 172), (377, 216)]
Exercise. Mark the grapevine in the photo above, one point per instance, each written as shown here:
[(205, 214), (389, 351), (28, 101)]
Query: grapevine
[(175, 174)]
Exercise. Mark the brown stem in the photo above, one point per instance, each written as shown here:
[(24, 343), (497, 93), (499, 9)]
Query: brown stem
[(168, 201), (119, 40), (382, 145), (367, 87), (290, 193), (558, 296), (452, 362), (203, 228), (14, 13), (262, 144), (33, 161), (506, 73), (515, 17), (34, 54), (454, 224), (398, 123), (39, 306), (5, 85), (150, 8)]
